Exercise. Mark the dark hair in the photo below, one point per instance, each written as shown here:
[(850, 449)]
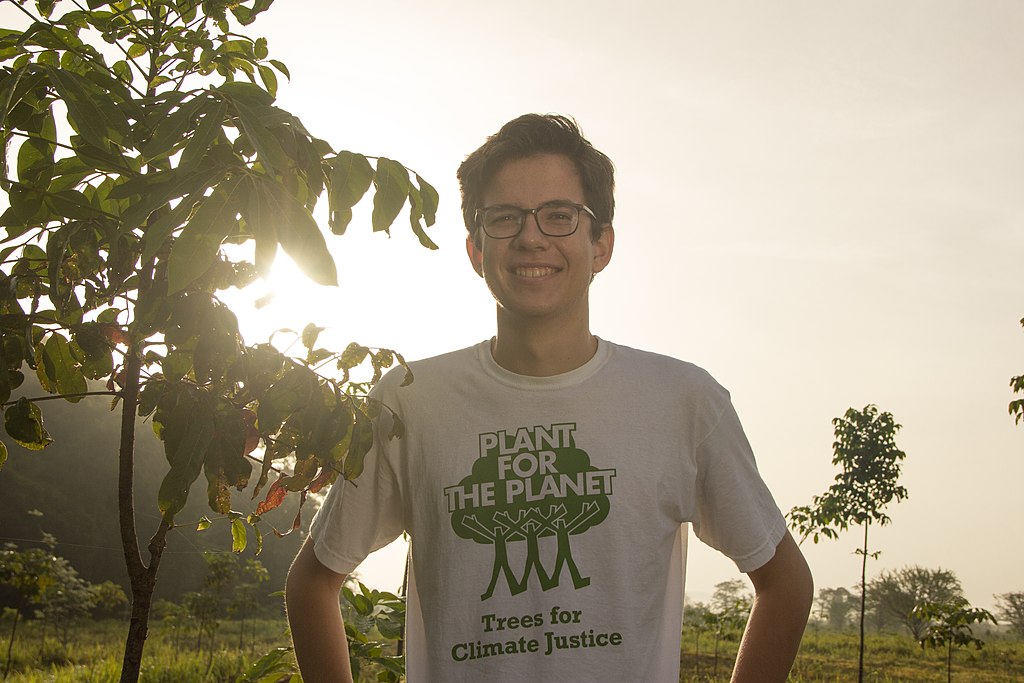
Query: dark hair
[(533, 134)]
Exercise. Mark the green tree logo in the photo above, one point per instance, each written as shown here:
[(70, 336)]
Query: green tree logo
[(528, 486)]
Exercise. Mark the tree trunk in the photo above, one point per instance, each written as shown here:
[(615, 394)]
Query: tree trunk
[(10, 643), (141, 577), (863, 601), (949, 661)]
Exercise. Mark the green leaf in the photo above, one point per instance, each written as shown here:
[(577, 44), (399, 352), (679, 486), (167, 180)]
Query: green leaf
[(204, 523), (392, 188), (209, 128), (298, 233), (268, 148), (35, 156), (310, 334), (351, 176), (359, 446), (90, 111), (269, 78), (24, 424), (238, 535), (287, 395), (280, 66), (158, 231), (63, 368), (415, 216), (430, 200), (196, 248), (187, 433), (3, 454), (174, 128), (262, 223)]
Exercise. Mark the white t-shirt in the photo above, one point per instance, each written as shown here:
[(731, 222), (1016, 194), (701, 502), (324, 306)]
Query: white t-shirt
[(544, 512)]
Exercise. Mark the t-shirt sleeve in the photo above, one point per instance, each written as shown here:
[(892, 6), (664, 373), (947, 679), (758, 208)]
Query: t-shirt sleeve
[(360, 516), (736, 513)]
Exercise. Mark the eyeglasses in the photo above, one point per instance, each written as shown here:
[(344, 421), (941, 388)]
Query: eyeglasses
[(555, 219)]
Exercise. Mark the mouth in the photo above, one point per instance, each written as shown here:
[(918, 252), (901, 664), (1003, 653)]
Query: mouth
[(534, 271)]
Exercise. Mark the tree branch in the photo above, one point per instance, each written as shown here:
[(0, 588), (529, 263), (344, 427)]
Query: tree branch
[(54, 397)]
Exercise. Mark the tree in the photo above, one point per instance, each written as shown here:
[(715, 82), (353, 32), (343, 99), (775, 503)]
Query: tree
[(696, 616), (246, 593), (865, 449), (834, 607), (112, 259), (368, 613), (1017, 385), (730, 607), (1011, 610), (949, 625), (896, 593), (28, 574)]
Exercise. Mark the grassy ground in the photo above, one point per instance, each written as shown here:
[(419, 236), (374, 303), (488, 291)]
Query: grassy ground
[(830, 657), (93, 655)]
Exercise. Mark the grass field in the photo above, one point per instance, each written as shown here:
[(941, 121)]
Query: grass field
[(93, 655), (831, 657)]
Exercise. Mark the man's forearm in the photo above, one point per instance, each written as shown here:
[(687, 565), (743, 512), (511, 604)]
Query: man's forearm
[(784, 592), (314, 616)]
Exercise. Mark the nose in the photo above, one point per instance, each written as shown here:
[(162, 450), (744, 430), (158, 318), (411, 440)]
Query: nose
[(530, 233)]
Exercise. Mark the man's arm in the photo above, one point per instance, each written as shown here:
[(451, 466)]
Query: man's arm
[(318, 632), (784, 591)]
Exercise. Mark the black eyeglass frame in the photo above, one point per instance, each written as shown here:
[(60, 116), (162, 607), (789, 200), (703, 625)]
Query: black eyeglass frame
[(478, 217)]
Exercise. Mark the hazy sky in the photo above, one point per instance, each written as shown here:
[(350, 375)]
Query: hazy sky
[(820, 203)]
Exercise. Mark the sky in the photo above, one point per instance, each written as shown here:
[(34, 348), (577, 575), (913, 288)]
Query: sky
[(819, 203)]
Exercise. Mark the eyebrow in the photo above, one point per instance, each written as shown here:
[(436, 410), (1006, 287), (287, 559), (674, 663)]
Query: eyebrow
[(516, 206)]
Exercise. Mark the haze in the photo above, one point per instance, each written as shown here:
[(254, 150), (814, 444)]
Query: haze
[(820, 203)]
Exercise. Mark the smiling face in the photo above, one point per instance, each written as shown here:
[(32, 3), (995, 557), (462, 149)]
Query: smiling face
[(531, 275)]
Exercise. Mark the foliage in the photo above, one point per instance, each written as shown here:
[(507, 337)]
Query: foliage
[(865, 449), (896, 594), (46, 586), (1010, 607), (369, 613), (949, 625), (834, 607), (1017, 385), (113, 253)]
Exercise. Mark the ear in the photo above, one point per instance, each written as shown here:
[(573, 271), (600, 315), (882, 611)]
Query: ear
[(603, 247), (476, 256)]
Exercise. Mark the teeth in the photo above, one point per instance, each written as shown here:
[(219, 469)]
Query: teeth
[(534, 272)]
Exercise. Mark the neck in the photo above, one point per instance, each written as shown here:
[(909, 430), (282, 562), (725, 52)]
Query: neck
[(542, 348)]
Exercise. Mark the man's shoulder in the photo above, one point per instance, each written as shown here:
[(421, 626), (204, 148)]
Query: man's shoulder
[(658, 364), (434, 367)]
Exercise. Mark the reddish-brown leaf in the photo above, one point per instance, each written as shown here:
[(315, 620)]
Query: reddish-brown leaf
[(275, 496)]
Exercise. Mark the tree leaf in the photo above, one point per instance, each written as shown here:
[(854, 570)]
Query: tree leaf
[(310, 334), (284, 397), (196, 248), (298, 233), (430, 200), (174, 128), (3, 454), (269, 78), (351, 176), (238, 536), (359, 446), (62, 367), (24, 424), (187, 433), (392, 189), (91, 113)]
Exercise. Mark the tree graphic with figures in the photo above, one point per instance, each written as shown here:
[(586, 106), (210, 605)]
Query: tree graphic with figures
[(529, 496)]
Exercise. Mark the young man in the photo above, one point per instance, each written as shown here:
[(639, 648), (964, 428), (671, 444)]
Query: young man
[(545, 473)]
